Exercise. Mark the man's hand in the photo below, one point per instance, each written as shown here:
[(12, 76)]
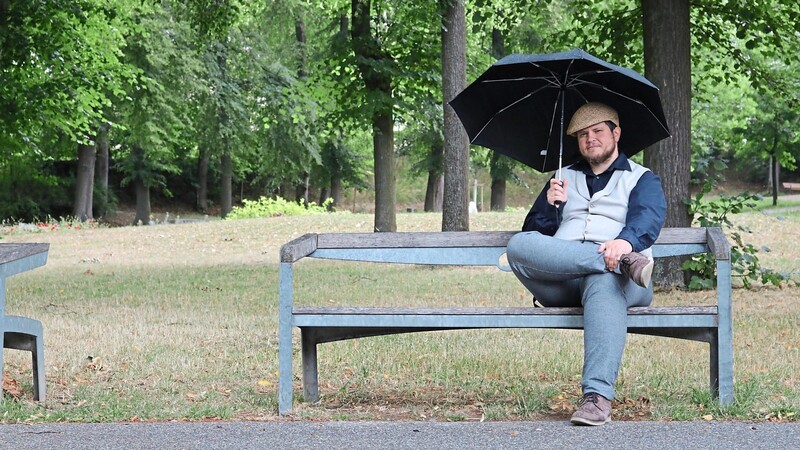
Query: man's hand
[(557, 191), (614, 250)]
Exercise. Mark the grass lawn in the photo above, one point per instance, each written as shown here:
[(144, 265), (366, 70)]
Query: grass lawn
[(180, 322)]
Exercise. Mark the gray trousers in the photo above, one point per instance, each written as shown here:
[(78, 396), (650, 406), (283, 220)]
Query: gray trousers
[(563, 273)]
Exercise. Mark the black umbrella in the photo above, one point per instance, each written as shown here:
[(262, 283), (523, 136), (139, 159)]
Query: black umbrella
[(519, 105)]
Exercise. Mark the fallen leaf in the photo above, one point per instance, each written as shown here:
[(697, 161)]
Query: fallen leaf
[(11, 386), (708, 417), (265, 383)]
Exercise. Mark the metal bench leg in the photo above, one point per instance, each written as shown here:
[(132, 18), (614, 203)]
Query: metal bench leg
[(725, 333), (310, 373), (725, 358), (714, 363), (285, 340), (37, 360), (23, 333)]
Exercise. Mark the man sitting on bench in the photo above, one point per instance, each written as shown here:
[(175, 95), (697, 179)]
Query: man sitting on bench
[(586, 242)]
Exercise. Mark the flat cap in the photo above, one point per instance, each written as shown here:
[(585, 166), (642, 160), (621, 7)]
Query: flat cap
[(590, 114)]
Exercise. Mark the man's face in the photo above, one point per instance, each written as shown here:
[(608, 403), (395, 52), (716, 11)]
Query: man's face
[(598, 144)]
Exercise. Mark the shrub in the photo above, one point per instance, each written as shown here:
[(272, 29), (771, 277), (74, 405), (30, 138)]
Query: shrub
[(744, 258), (269, 207)]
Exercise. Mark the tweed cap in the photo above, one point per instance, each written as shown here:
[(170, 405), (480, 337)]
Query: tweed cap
[(590, 114)]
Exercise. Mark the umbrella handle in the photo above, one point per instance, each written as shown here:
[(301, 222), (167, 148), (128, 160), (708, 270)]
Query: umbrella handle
[(558, 203)]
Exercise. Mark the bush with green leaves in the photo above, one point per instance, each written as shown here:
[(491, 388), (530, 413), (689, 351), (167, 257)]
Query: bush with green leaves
[(744, 260), (270, 207)]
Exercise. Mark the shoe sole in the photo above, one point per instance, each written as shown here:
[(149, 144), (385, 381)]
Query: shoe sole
[(647, 274), (593, 423)]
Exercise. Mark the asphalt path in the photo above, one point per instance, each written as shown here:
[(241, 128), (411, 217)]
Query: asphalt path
[(400, 435)]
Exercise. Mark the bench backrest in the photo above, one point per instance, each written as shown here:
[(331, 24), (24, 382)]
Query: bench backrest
[(469, 248)]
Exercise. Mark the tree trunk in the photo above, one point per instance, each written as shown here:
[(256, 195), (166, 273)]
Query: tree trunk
[(142, 193), (499, 169), (385, 173), (226, 194), (667, 58), (101, 170), (84, 183), (455, 212), (324, 194), (302, 54), (336, 192), (372, 59), (498, 194), (433, 191), (301, 190), (202, 179), (773, 167)]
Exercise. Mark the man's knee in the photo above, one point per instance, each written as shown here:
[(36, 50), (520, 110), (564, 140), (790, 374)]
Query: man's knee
[(522, 245)]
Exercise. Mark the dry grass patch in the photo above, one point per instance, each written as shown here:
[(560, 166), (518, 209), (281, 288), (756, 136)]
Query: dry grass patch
[(180, 322)]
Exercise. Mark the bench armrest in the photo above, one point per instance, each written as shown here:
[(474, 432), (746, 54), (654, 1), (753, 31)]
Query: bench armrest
[(718, 243), (299, 248)]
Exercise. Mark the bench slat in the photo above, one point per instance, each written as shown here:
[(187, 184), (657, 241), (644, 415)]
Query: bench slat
[(505, 311), (469, 239), (461, 321)]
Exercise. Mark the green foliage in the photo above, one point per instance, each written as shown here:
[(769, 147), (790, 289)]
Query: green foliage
[(30, 189), (269, 207), (744, 258), (60, 65)]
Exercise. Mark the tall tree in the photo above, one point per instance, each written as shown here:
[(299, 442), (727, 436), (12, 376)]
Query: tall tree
[(372, 60), (156, 113), (667, 59), (500, 166), (455, 214)]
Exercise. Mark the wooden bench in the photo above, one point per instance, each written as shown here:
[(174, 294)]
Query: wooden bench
[(712, 324), (791, 186), (22, 333)]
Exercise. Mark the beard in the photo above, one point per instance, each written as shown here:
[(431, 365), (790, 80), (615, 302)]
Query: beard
[(600, 158)]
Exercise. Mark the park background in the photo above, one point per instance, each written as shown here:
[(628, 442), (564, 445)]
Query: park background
[(118, 113)]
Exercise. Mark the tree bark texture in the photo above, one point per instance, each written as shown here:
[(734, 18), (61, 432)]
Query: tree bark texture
[(84, 183), (667, 58), (142, 191), (498, 166), (434, 188), (498, 202), (336, 191), (102, 163), (302, 54), (378, 83), (202, 179), (226, 165), (455, 212), (433, 192)]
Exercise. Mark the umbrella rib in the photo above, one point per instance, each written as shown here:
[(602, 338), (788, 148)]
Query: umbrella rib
[(549, 80)]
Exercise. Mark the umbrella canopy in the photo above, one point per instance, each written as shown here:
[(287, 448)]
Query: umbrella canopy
[(519, 105)]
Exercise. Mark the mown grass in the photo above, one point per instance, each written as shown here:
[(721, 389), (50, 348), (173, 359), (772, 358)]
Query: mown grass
[(179, 322)]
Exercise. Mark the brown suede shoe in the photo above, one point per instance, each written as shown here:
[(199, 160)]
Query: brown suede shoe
[(594, 410), (637, 267)]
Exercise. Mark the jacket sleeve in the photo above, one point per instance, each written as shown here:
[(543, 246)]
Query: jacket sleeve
[(647, 209), (543, 217)]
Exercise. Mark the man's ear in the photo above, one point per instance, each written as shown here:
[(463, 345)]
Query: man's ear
[(617, 133)]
